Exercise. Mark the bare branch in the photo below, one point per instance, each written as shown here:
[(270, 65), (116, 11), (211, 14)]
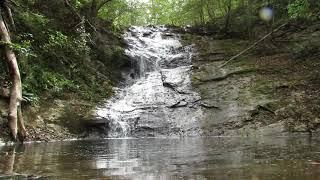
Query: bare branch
[(74, 11), (82, 19), (252, 46)]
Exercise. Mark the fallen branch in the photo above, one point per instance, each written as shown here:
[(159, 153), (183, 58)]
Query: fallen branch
[(253, 45)]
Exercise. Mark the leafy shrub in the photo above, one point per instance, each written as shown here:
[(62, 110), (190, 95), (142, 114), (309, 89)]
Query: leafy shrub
[(33, 21), (56, 55), (298, 8)]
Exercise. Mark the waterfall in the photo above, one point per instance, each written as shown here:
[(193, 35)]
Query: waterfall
[(161, 100)]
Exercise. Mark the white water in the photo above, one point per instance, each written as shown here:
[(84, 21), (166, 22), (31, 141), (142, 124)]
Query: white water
[(161, 100)]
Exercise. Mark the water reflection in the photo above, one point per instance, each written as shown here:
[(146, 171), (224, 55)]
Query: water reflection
[(190, 158), (8, 161)]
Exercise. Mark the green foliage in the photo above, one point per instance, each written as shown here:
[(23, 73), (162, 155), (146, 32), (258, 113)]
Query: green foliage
[(54, 60), (23, 48), (48, 81), (299, 8), (202, 12), (121, 13), (54, 63), (34, 20), (58, 45), (30, 98)]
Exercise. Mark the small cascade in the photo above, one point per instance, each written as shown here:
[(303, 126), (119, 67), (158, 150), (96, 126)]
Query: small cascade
[(160, 101)]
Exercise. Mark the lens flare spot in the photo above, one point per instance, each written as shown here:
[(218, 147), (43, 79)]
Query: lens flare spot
[(266, 14)]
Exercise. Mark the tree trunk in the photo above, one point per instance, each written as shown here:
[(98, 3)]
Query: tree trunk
[(22, 129), (9, 14), (93, 9), (16, 89), (228, 16), (96, 5)]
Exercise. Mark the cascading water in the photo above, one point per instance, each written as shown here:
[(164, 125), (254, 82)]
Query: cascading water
[(160, 101)]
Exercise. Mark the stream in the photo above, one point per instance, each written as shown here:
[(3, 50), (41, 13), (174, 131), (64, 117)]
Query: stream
[(223, 158)]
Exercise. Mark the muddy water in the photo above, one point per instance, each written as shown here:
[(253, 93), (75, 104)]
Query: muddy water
[(267, 158)]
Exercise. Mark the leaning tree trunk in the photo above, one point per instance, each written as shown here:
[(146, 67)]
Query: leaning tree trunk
[(15, 115)]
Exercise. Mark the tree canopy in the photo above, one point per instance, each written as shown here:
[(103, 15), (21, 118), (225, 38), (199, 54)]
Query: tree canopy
[(195, 12)]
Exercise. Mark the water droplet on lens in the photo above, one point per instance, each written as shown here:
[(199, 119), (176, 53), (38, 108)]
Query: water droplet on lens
[(266, 13)]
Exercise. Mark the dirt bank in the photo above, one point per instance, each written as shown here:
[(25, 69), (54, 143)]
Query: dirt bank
[(54, 120)]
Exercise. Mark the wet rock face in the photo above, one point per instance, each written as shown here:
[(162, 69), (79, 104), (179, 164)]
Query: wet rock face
[(161, 100), (228, 101), (264, 92)]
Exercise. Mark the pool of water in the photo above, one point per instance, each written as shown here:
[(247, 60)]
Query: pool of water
[(259, 158)]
